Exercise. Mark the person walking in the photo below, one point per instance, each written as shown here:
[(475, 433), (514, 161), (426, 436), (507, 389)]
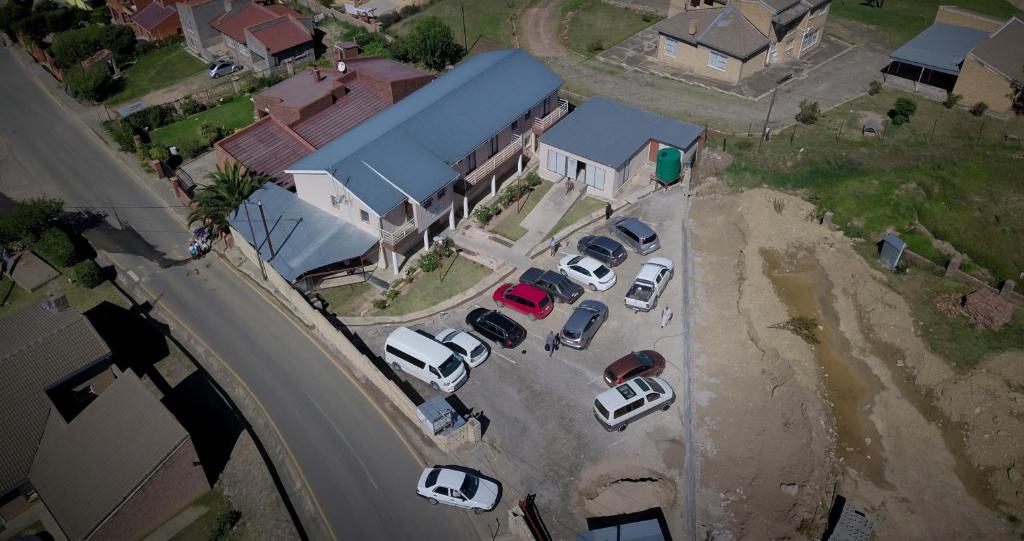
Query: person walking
[(553, 246), (550, 343), (666, 316), (607, 211), (568, 185)]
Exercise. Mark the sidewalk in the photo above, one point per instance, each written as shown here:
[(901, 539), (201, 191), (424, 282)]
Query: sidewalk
[(547, 213)]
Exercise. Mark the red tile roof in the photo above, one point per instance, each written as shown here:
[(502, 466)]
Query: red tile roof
[(282, 34), (303, 88), (234, 23), (152, 15), (359, 104), (267, 146)]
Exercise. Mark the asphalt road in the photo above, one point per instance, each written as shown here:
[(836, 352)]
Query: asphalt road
[(360, 472)]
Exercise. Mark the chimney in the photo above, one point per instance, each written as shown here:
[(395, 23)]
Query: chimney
[(316, 74), (693, 28)]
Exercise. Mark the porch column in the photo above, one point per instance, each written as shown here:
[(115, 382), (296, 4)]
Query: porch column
[(394, 263), (465, 207), (426, 239), (494, 185), (451, 217), (382, 255), (519, 166), (918, 81)]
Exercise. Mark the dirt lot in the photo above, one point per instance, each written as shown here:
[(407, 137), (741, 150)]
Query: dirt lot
[(926, 452)]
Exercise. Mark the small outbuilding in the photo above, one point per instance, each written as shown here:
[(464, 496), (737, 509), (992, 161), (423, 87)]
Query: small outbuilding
[(604, 144)]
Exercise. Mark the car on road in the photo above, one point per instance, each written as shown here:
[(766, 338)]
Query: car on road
[(465, 346), (457, 488), (559, 287), (587, 271), (221, 68), (494, 325), (636, 234), (628, 402), (524, 298), (649, 284), (606, 250), (636, 364), (583, 324)]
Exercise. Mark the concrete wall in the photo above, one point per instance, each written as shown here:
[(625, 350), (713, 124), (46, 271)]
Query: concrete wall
[(963, 17), (317, 189), (695, 59), (979, 83)]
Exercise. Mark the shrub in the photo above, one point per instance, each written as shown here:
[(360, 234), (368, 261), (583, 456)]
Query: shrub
[(899, 120), (326, 3), (595, 45), (432, 43), (88, 273), (505, 198), (410, 273), (446, 248), (391, 294), (191, 148), (905, 106), (152, 118), (649, 17), (56, 247), (951, 100), (409, 11), (809, 112), (73, 46), (380, 303), (874, 87), (159, 153), (429, 262), (389, 19), (28, 220), (532, 179), (92, 83), (210, 133), (224, 523), (979, 108), (483, 214), (191, 106)]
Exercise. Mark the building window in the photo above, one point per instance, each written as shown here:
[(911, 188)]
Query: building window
[(810, 39), (546, 108), (556, 162), (428, 202), (441, 193), (364, 216), (471, 162), (526, 118), (670, 47), (515, 126), (717, 61), (494, 145), (789, 46)]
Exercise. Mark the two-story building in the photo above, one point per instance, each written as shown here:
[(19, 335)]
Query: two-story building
[(195, 15), (261, 37), (151, 20), (733, 40)]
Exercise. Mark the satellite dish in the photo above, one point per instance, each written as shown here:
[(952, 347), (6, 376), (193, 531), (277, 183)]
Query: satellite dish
[(341, 66)]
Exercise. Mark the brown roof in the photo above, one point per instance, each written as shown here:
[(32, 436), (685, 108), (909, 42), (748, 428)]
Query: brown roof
[(303, 88), (282, 34), (38, 350), (234, 23), (149, 17), (267, 146), (385, 69), (359, 104), (85, 470), (723, 29), (1004, 50)]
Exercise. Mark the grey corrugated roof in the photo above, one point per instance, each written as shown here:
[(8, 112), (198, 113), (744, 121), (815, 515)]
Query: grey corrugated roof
[(1004, 51), (85, 469), (723, 29), (791, 13), (419, 138), (941, 47), (38, 349), (778, 5), (304, 237), (678, 26), (610, 133)]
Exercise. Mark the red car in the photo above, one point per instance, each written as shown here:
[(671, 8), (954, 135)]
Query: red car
[(530, 300)]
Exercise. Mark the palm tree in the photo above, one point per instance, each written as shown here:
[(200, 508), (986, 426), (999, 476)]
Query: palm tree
[(230, 187)]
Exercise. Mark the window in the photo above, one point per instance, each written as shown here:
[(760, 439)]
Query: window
[(364, 216), (547, 107), (471, 162), (526, 117), (515, 126), (595, 177), (441, 490), (670, 47), (773, 54), (809, 40), (556, 162), (789, 46), (494, 145), (406, 357), (441, 193), (717, 61), (628, 408), (428, 202)]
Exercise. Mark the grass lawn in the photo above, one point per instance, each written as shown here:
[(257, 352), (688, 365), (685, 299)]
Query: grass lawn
[(428, 290), (584, 206), (160, 68), (346, 300), (596, 26), (901, 20), (508, 223), (962, 191), (487, 21), (14, 297), (230, 116)]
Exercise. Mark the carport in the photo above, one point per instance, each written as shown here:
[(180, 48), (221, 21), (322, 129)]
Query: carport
[(935, 55)]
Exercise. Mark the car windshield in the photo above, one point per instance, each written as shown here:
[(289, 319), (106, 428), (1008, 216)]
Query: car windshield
[(601, 409), (545, 301), (450, 336), (642, 384), (655, 386), (469, 486), (644, 358), (649, 239), (575, 260), (432, 477), (450, 366), (601, 271), (214, 65)]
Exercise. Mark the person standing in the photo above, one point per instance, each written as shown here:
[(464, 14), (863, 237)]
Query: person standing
[(550, 343), (553, 246), (666, 316), (607, 211)]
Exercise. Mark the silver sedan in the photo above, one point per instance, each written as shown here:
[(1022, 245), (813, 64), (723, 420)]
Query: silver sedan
[(583, 324)]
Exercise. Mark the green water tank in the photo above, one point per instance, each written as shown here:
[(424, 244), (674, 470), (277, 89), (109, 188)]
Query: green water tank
[(669, 165)]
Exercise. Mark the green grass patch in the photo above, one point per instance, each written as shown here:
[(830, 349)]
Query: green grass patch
[(429, 289), (230, 116), (596, 26), (585, 206), (82, 299), (160, 68), (922, 246), (488, 22), (509, 222), (901, 20), (202, 528), (349, 299)]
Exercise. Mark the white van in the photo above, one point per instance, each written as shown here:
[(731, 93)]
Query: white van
[(625, 403), (424, 359)]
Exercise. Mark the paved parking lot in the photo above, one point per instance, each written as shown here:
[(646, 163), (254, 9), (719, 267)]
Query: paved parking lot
[(540, 433)]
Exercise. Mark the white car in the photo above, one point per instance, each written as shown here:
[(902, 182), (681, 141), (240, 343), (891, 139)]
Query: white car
[(587, 271), (465, 346), (457, 488)]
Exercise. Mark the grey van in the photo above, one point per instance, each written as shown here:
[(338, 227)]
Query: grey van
[(636, 234)]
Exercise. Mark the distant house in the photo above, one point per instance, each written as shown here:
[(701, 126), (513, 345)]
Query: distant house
[(257, 36), (200, 38), (731, 41), (151, 20), (313, 107), (604, 144)]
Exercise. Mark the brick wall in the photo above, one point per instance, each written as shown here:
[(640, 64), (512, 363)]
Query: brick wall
[(977, 83), (963, 17)]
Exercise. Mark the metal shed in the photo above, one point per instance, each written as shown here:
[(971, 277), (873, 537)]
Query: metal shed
[(437, 415), (892, 249)]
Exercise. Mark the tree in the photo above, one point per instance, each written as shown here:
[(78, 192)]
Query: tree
[(230, 187), (28, 220), (433, 44), (92, 83), (73, 46), (809, 112), (902, 110)]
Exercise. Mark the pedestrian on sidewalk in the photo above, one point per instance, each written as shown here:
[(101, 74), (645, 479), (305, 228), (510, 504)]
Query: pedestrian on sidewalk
[(568, 185), (553, 246), (607, 211), (666, 316), (550, 343)]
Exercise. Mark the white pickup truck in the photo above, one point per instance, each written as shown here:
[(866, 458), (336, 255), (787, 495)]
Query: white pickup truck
[(649, 284)]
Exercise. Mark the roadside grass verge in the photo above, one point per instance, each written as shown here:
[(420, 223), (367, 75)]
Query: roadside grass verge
[(204, 527), (81, 298), (160, 68), (229, 116), (488, 22), (596, 26), (584, 206), (899, 21), (509, 222), (428, 289), (347, 300)]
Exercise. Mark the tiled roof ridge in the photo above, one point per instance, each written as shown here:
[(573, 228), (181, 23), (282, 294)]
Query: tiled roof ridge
[(41, 339), (288, 129)]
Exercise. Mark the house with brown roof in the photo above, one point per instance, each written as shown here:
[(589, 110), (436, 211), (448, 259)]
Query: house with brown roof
[(200, 38), (151, 20), (733, 39), (993, 72), (261, 37), (311, 108)]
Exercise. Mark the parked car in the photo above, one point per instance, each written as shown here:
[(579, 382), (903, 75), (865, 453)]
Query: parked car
[(606, 250), (221, 68), (636, 234), (587, 271), (628, 402), (636, 364), (559, 287), (494, 325), (583, 324), (465, 346), (458, 488), (530, 300), (649, 284), (422, 357)]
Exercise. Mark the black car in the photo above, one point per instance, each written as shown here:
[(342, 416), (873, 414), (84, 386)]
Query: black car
[(556, 285), (497, 327), (606, 250)]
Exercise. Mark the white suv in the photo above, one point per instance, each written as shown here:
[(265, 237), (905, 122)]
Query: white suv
[(623, 404)]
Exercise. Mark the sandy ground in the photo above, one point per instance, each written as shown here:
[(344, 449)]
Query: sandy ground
[(868, 412)]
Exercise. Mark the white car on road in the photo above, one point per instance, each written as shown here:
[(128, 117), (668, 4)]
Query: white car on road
[(465, 346), (457, 488), (587, 271)]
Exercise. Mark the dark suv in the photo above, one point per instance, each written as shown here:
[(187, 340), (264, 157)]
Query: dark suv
[(556, 285), (606, 250), (496, 326)]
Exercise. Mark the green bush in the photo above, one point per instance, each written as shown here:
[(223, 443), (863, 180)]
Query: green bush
[(809, 112), (432, 43), (902, 110), (159, 153), (874, 87), (446, 248), (210, 133), (88, 273), (532, 179), (429, 262), (56, 247), (979, 108), (29, 218), (153, 117), (483, 214), (122, 132), (71, 47), (649, 17), (595, 45), (380, 303), (391, 294), (224, 523), (951, 100), (191, 106), (92, 83), (409, 11), (191, 148)]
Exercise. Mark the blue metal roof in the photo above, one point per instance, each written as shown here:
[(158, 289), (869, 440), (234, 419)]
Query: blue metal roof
[(610, 133), (941, 47), (304, 237), (414, 143)]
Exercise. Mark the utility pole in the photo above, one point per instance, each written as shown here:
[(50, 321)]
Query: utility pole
[(764, 129), (252, 231), (465, 37), (266, 230)]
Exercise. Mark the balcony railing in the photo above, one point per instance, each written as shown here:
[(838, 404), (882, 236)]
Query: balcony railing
[(493, 162), (541, 125), (436, 211), (394, 235)]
